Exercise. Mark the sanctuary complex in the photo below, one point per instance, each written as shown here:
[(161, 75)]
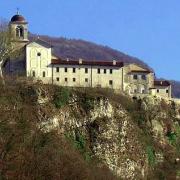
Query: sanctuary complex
[(39, 62)]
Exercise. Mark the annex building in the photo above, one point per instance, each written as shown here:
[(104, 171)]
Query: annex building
[(38, 61)]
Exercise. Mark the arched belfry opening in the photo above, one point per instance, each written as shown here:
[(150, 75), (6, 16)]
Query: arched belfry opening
[(19, 29), (20, 32)]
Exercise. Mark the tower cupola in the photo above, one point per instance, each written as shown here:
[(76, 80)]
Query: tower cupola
[(19, 29)]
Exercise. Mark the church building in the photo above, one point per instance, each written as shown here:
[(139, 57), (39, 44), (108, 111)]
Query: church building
[(38, 61)]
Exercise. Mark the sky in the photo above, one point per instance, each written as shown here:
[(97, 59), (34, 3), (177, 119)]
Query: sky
[(146, 29)]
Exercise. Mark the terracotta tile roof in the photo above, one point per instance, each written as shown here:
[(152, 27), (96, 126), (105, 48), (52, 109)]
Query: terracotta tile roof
[(88, 63), (141, 71), (161, 83)]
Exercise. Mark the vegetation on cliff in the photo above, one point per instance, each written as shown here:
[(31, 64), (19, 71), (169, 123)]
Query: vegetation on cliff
[(28, 150), (51, 132)]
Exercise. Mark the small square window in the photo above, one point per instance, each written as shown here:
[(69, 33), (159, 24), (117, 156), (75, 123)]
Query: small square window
[(38, 54), (57, 79), (65, 79), (98, 71), (110, 82), (135, 76), (86, 79), (65, 69), (74, 70), (104, 71), (167, 91), (111, 71), (57, 69), (86, 70), (44, 74), (143, 91), (74, 79)]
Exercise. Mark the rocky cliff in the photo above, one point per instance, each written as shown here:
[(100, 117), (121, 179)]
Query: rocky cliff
[(134, 138)]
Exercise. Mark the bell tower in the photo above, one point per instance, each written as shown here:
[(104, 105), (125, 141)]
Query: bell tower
[(19, 30)]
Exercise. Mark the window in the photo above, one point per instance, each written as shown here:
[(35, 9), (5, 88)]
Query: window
[(38, 54), (167, 91), (74, 70), (44, 74), (110, 82), (86, 70), (98, 71), (104, 71), (57, 79), (57, 69), (135, 90), (86, 79), (157, 90), (33, 74), (66, 79), (65, 69), (111, 71), (74, 79), (135, 76), (143, 91), (143, 77)]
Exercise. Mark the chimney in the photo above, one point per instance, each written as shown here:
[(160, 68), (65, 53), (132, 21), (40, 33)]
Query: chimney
[(161, 82), (114, 62), (80, 61), (67, 59)]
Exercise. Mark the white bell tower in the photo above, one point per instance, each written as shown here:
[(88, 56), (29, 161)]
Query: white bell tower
[(19, 29)]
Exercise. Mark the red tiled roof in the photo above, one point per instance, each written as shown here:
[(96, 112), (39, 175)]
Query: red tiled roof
[(88, 63), (161, 83), (140, 71)]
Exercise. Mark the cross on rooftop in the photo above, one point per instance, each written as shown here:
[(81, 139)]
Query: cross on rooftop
[(17, 11)]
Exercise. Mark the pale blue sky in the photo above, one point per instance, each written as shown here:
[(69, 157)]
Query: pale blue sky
[(147, 29)]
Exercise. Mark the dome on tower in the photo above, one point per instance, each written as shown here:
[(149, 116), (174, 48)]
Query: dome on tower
[(18, 18)]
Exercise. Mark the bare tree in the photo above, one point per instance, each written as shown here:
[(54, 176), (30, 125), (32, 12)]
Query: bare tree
[(6, 47)]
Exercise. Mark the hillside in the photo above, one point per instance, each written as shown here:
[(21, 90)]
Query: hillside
[(51, 132), (176, 88), (75, 49)]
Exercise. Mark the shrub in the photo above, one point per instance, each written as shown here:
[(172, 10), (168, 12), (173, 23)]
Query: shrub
[(79, 142), (61, 97), (172, 137), (151, 156), (87, 103), (85, 98)]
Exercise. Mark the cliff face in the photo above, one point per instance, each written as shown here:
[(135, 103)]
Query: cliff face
[(110, 134), (135, 139)]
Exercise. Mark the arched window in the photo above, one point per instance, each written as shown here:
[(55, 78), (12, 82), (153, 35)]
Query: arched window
[(33, 73), (20, 32), (44, 74), (134, 89), (142, 88)]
